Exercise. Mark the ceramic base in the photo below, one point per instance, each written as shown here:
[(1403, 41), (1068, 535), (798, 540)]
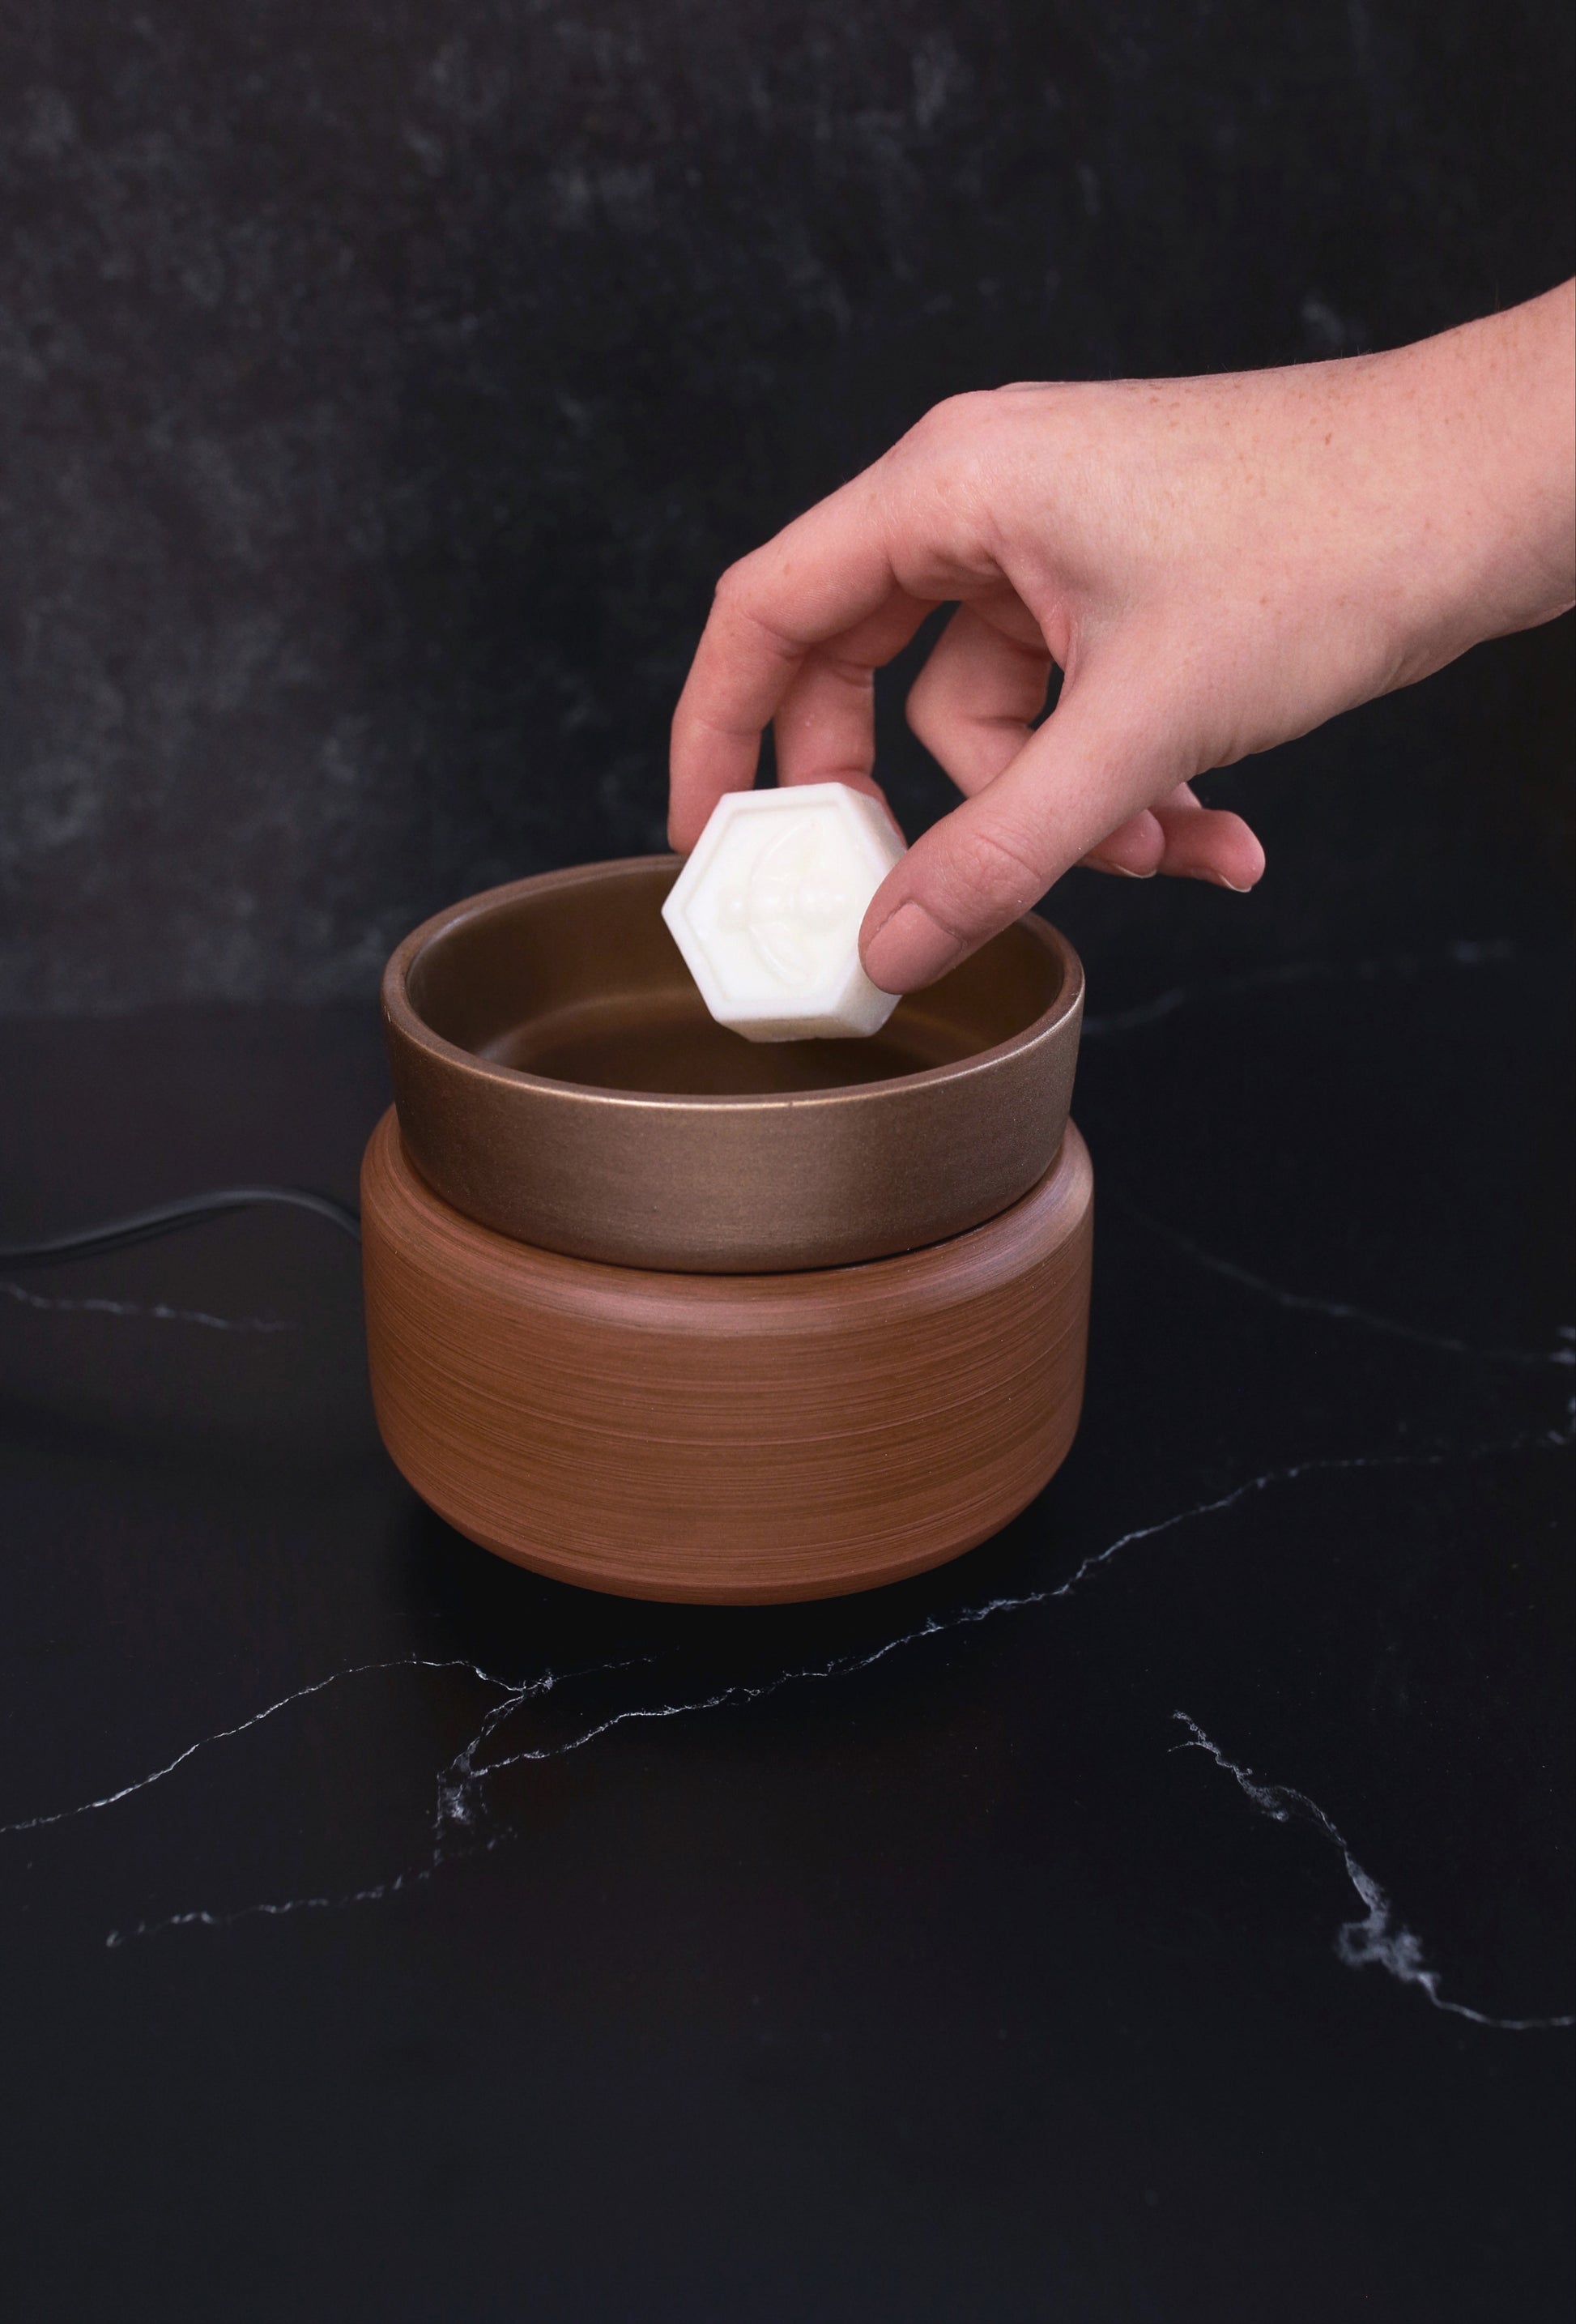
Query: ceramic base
[(743, 1439)]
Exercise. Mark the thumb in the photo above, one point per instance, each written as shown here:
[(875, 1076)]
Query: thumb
[(1103, 755)]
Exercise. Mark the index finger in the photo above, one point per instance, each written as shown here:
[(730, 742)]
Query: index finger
[(820, 577)]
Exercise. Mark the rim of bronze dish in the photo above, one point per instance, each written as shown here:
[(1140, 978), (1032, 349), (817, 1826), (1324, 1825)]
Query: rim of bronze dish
[(717, 1181)]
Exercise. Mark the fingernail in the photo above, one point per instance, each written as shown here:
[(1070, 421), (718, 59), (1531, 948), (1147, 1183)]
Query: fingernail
[(909, 950), (1219, 879), (1103, 863)]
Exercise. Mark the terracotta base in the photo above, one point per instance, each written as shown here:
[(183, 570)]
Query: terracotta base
[(738, 1439)]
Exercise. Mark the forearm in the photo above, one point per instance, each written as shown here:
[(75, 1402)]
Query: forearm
[(1481, 421)]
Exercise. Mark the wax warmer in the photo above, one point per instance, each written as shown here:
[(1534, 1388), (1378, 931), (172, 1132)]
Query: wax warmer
[(666, 1313)]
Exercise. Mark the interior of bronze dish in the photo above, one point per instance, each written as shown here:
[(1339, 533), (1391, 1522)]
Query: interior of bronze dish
[(582, 983)]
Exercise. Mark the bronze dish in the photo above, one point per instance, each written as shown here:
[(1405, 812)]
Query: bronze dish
[(556, 1078)]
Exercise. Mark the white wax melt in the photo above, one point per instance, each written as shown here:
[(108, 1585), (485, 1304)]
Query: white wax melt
[(767, 911)]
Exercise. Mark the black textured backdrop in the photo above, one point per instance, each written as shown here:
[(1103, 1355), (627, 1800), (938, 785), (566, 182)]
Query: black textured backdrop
[(381, 388)]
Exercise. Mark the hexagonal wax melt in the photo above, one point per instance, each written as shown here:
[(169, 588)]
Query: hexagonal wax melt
[(767, 911)]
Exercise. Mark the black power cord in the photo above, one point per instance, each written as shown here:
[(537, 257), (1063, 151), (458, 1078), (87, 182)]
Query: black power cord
[(144, 1226)]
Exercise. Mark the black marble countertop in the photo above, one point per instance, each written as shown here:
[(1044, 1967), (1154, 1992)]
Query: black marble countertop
[(1161, 1914)]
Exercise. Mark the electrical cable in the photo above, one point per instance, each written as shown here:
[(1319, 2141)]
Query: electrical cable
[(169, 1218)]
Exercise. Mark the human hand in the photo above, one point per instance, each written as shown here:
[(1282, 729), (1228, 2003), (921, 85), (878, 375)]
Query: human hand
[(1216, 564)]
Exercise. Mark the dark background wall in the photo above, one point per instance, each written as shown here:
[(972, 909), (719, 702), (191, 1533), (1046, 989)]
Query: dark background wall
[(382, 388)]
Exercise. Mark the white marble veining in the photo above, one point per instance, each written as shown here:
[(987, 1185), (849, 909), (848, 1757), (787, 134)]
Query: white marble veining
[(461, 1827), (1562, 1355), (1379, 1940), (46, 1304), (227, 1734), (1465, 952)]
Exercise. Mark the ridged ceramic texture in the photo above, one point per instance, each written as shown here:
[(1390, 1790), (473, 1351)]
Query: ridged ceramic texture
[(725, 1439)]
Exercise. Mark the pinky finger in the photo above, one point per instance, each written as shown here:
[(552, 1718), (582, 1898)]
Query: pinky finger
[(1136, 849), (1208, 842), (1185, 839)]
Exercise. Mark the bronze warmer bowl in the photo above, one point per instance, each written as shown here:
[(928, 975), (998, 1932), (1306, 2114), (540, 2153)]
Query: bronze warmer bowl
[(675, 1315)]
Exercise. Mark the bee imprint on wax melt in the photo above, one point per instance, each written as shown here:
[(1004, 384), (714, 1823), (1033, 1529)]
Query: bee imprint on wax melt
[(767, 911)]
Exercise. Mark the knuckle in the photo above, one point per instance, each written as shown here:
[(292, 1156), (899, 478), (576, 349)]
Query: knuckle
[(743, 598), (958, 417), (849, 670), (946, 429), (733, 586), (990, 866)]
